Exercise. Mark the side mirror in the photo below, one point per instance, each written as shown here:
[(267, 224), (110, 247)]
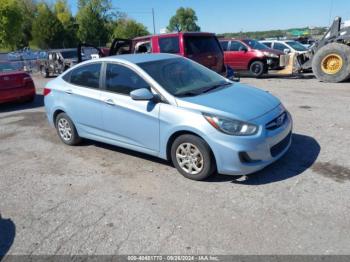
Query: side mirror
[(141, 94), (286, 51)]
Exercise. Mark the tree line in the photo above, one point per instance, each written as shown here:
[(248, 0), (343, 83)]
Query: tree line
[(47, 25), (26, 23)]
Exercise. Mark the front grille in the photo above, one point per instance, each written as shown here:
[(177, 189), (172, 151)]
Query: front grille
[(279, 147), (277, 122)]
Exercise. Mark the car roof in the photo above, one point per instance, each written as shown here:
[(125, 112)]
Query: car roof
[(175, 34), (139, 58)]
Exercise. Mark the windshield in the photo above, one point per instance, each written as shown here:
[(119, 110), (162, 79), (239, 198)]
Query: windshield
[(69, 54), (6, 67), (182, 77), (255, 44), (297, 46), (201, 44)]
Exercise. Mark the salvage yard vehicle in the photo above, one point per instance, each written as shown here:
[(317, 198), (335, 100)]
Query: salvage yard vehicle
[(15, 85), (57, 61), (252, 56), (330, 56), (170, 107), (203, 48)]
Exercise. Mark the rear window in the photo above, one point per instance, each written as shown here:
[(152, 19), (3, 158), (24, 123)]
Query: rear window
[(169, 45), (201, 44), (6, 67)]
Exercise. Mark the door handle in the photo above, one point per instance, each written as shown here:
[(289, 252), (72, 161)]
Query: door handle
[(69, 91), (109, 102)]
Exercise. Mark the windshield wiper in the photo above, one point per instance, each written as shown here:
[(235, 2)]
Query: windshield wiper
[(216, 86)]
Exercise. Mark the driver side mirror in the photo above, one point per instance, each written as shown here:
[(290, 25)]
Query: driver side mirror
[(141, 94)]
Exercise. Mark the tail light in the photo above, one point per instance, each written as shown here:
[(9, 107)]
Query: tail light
[(28, 82), (46, 91)]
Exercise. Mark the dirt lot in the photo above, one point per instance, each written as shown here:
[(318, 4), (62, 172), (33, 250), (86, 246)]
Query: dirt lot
[(100, 199)]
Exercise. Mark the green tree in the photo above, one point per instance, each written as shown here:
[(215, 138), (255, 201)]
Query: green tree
[(64, 15), (28, 9), (94, 18), (129, 28), (47, 30), (10, 23), (184, 21)]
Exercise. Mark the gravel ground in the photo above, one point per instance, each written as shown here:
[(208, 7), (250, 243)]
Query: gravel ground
[(100, 199)]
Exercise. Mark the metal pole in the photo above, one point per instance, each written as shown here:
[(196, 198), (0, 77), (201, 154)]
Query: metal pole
[(154, 26)]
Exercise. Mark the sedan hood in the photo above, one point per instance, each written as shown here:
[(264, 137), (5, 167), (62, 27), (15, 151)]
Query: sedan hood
[(238, 101)]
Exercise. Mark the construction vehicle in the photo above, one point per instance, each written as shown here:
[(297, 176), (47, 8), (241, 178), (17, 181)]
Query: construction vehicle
[(330, 56)]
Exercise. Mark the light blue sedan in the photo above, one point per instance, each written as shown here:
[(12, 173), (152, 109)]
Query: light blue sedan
[(173, 108)]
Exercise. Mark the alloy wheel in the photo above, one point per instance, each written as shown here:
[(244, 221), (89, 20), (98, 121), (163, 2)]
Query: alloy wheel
[(189, 158)]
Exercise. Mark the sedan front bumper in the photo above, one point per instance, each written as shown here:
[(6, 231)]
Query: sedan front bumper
[(248, 154)]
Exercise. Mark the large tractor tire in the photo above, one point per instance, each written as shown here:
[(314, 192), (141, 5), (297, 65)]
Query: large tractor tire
[(331, 63)]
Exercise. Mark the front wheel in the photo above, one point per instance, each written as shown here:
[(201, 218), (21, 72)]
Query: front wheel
[(192, 157), (257, 68), (66, 130)]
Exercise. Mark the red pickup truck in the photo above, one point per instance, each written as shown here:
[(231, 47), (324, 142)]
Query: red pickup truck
[(250, 55), (203, 48)]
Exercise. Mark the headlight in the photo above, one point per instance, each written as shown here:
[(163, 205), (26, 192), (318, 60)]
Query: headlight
[(231, 126), (268, 54)]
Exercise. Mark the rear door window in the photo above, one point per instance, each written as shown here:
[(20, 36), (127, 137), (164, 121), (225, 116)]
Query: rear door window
[(86, 75), (201, 44), (123, 80), (169, 45)]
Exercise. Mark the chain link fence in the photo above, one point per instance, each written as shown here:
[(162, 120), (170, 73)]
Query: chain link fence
[(28, 61)]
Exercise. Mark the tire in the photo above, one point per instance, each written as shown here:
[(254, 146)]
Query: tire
[(203, 164), (257, 68), (324, 71), (66, 130)]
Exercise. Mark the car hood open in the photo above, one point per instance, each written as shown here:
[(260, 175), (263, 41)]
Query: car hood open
[(237, 100)]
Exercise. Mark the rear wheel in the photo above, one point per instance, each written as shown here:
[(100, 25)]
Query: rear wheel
[(66, 130), (192, 157), (331, 63), (257, 68)]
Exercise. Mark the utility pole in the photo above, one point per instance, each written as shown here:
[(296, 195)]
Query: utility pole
[(154, 26)]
